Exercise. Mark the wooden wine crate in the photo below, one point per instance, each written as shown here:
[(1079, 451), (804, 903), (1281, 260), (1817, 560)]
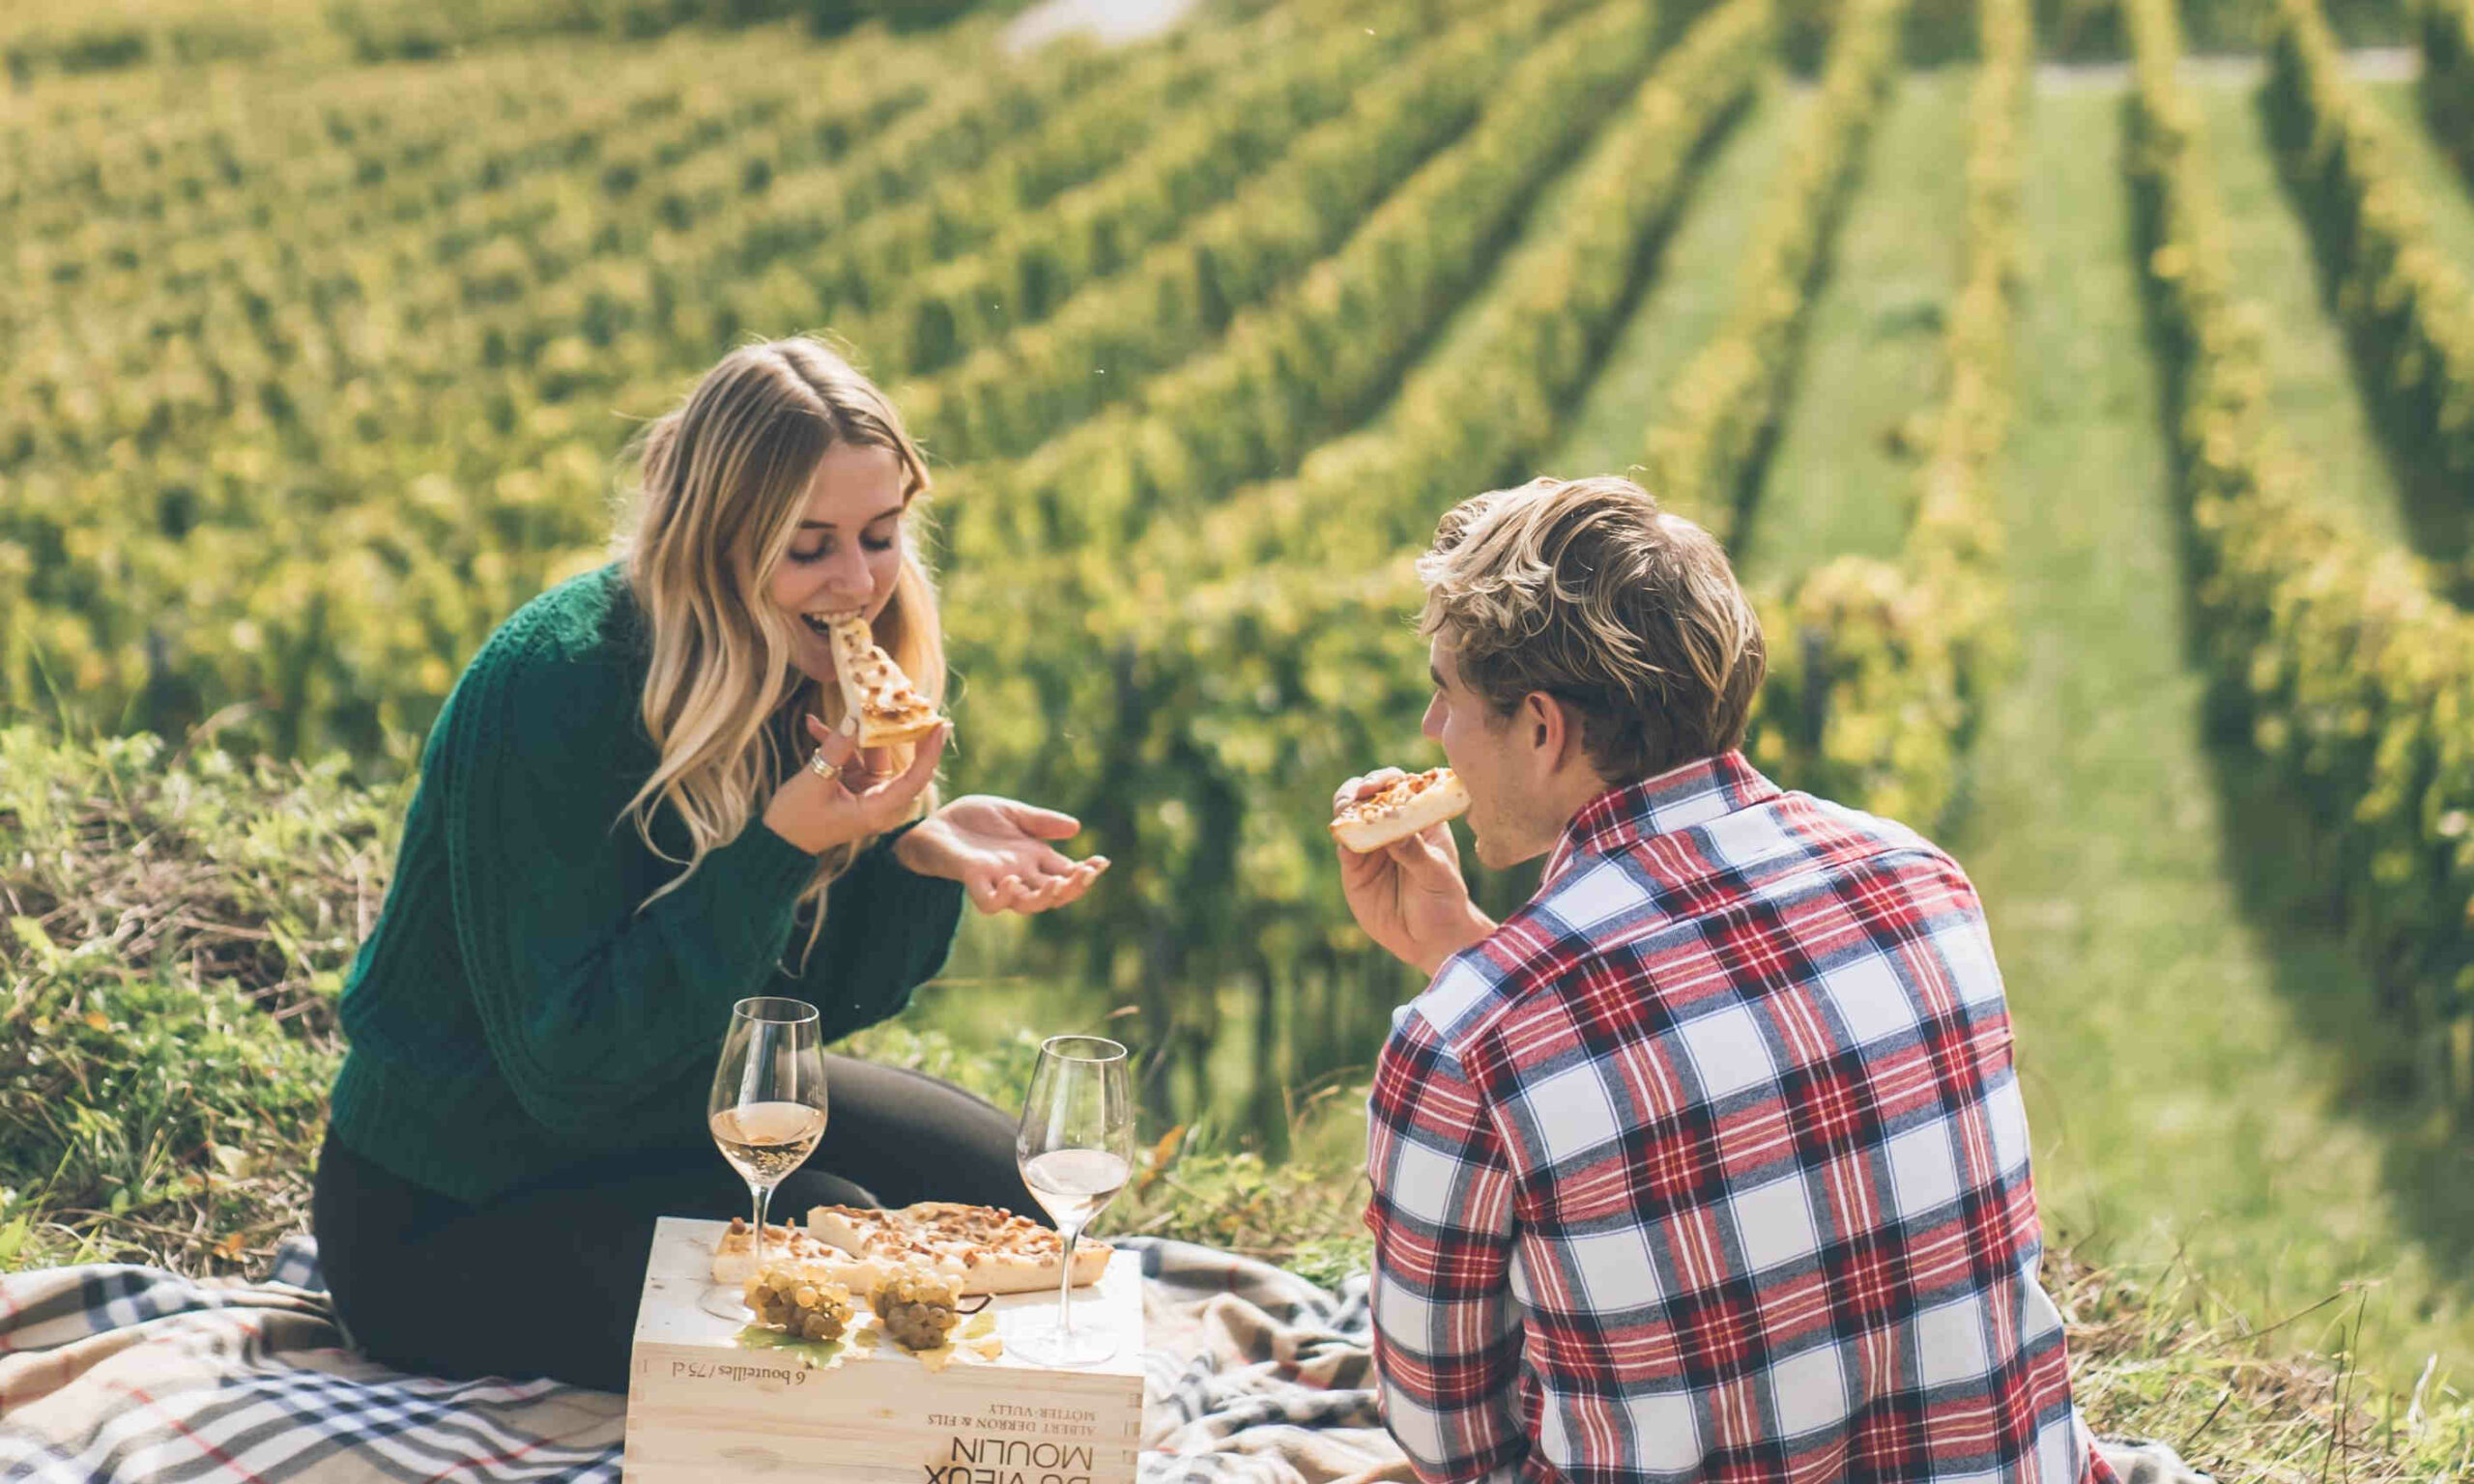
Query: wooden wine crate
[(703, 1407)]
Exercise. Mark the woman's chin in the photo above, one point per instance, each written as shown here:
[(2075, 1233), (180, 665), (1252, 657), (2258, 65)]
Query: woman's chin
[(814, 659), (818, 667)]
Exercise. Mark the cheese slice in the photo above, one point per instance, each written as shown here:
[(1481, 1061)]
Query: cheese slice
[(1401, 810), (878, 702)]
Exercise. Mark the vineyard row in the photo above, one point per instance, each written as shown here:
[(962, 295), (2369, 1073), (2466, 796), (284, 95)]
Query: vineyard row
[(2356, 679), (1239, 704), (2410, 305), (1880, 668), (321, 543), (1317, 359), (2447, 34)]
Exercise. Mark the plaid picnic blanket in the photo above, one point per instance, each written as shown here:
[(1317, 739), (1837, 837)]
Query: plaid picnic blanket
[(113, 1374)]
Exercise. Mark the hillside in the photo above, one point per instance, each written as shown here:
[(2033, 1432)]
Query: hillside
[(2097, 446)]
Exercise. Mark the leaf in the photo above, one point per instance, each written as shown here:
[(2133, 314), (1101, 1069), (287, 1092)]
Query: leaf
[(97, 1021), (1155, 1162), (13, 1237), (38, 942)]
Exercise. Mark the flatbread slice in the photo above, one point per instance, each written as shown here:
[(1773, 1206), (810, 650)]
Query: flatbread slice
[(734, 1256), (1404, 808), (984, 1249), (879, 704)]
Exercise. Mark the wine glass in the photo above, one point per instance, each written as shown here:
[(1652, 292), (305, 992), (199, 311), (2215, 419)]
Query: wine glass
[(767, 1110), (1076, 1147)]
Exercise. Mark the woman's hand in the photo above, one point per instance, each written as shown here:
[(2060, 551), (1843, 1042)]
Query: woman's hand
[(999, 851), (1409, 896), (861, 796)]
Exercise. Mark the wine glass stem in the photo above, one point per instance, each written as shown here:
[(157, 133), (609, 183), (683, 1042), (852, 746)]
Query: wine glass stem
[(1065, 1295), (763, 1196)]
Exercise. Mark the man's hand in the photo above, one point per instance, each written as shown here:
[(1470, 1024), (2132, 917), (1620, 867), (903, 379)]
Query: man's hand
[(1409, 896)]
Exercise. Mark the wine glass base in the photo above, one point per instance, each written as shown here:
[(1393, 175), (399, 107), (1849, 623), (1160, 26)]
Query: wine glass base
[(1052, 1347), (725, 1300)]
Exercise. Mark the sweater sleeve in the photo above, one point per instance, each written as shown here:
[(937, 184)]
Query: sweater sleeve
[(589, 999), (886, 932)]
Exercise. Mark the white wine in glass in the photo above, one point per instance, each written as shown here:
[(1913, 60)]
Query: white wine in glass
[(766, 1111), (1076, 1147)]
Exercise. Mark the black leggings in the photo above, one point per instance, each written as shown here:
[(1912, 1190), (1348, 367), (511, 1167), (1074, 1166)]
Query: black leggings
[(544, 1279)]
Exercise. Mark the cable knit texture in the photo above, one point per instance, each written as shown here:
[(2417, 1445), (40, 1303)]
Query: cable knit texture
[(513, 1011)]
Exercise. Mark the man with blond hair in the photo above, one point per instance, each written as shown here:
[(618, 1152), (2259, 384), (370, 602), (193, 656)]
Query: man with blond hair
[(1708, 1164)]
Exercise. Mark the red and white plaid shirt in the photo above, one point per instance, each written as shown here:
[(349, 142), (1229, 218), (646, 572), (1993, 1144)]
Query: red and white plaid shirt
[(1710, 1164)]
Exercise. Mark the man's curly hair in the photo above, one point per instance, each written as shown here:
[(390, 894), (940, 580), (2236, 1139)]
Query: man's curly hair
[(1585, 589)]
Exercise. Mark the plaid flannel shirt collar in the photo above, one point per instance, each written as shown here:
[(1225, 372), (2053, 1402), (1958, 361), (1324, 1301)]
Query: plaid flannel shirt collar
[(1677, 799)]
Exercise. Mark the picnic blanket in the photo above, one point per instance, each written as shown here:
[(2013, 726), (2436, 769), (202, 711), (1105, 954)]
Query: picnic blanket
[(114, 1375)]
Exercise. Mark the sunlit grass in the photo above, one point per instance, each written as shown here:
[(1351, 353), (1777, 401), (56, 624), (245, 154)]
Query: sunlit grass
[(2199, 1045), (1608, 431), (2316, 406), (1842, 478)]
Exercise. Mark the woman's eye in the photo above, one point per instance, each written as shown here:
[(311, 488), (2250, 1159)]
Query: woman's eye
[(877, 544), (819, 553)]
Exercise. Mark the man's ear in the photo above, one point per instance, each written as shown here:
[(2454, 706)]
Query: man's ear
[(1548, 726), (1555, 728)]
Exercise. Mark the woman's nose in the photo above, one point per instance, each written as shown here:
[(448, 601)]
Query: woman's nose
[(847, 574)]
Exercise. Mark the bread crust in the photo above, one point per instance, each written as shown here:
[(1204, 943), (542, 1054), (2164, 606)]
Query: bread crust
[(1401, 810), (734, 1256), (984, 1249)]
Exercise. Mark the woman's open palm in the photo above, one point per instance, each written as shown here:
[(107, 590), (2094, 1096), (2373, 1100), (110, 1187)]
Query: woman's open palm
[(1003, 853)]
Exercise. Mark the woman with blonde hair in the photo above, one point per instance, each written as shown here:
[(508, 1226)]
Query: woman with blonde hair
[(635, 809)]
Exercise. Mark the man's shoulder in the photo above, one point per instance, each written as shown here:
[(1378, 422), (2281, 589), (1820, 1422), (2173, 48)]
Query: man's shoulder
[(1844, 823), (1790, 846), (1622, 901)]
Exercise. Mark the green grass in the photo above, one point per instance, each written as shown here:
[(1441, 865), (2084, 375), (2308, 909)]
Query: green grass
[(1841, 478), (173, 932), (1686, 298), (2322, 416), (2204, 1075)]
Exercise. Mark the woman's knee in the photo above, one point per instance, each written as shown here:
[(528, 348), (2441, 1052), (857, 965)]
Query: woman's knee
[(909, 1136)]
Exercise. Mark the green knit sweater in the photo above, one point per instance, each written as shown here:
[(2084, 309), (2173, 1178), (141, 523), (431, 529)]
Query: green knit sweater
[(513, 1011)]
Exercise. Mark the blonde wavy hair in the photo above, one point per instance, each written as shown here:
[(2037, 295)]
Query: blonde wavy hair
[(723, 480), (1585, 589)]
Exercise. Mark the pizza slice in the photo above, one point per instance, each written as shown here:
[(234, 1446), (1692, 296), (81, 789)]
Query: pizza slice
[(879, 706), (984, 1249), (1404, 808)]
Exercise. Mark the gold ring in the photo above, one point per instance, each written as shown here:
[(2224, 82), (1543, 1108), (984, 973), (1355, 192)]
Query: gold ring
[(817, 765)]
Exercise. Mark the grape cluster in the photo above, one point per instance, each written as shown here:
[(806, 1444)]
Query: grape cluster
[(808, 1308), (918, 1307)]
